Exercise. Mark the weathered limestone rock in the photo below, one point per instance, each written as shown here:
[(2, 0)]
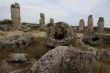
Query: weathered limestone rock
[(90, 37), (64, 59), (90, 23), (93, 40), (88, 48), (15, 15), (81, 25), (100, 24), (52, 20), (42, 19), (18, 58), (88, 32), (41, 22), (17, 42), (59, 34), (5, 27), (42, 16)]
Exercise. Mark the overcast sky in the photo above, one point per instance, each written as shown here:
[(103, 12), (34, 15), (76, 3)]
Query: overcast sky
[(70, 11)]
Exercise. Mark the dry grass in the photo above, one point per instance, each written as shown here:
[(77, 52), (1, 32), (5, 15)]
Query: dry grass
[(39, 48)]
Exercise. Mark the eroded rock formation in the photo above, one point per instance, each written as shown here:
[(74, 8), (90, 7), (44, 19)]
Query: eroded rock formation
[(51, 20), (17, 42), (90, 23), (93, 40), (15, 15), (90, 36), (42, 19), (64, 59), (59, 34), (18, 58), (81, 25), (100, 24)]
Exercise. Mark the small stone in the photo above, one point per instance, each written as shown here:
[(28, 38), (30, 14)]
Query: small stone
[(17, 58)]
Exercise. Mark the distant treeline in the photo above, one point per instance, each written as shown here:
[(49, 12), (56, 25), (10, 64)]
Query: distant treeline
[(5, 21)]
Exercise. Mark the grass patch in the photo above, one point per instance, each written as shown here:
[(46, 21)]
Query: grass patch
[(100, 67), (38, 48)]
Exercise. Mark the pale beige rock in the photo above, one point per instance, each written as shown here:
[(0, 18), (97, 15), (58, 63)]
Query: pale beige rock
[(42, 20), (81, 24), (15, 15), (90, 23), (65, 59), (100, 24), (17, 57), (42, 16), (51, 20), (59, 34)]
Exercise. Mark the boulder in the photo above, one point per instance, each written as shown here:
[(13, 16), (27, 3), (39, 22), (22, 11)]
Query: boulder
[(18, 58), (59, 34), (65, 59), (17, 41), (92, 40)]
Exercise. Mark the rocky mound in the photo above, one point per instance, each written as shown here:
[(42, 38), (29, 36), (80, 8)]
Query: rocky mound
[(64, 59), (17, 41)]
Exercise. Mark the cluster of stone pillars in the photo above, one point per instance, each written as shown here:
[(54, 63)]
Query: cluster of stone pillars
[(90, 24), (16, 18)]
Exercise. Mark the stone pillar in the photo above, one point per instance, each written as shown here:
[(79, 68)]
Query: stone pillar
[(51, 20), (90, 23), (42, 19), (41, 22), (15, 15), (100, 24), (81, 24)]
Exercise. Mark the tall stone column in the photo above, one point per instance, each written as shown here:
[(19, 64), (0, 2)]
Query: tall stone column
[(100, 24), (42, 19), (15, 15), (90, 23), (81, 24), (51, 20)]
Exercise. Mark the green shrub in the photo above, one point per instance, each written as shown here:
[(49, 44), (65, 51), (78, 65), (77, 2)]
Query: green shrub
[(6, 21)]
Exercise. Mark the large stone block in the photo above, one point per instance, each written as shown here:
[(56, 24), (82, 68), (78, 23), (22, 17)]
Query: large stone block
[(59, 34), (64, 59), (17, 42)]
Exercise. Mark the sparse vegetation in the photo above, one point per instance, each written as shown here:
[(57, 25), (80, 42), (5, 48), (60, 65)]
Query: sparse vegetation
[(5, 21), (40, 48), (107, 30)]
